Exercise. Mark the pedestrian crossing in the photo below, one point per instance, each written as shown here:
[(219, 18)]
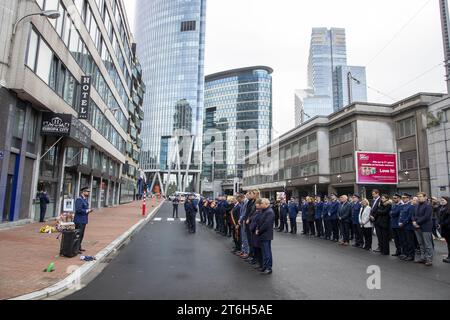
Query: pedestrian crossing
[(171, 220)]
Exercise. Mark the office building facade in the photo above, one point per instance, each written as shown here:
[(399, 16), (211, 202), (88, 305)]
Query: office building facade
[(54, 136), (171, 35), (320, 156), (237, 122)]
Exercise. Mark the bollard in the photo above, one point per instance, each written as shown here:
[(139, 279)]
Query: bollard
[(144, 205)]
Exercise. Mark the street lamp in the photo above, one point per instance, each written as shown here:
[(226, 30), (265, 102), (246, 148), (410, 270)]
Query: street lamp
[(51, 14)]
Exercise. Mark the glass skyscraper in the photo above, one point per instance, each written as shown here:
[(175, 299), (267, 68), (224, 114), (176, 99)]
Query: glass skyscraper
[(171, 37), (327, 91), (238, 121), (358, 88)]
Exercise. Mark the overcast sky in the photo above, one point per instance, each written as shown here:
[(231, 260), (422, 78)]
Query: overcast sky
[(242, 33)]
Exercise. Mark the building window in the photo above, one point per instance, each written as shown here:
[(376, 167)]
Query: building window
[(346, 133), (406, 128), (408, 160), (347, 164), (334, 137), (335, 165), (19, 122), (188, 26)]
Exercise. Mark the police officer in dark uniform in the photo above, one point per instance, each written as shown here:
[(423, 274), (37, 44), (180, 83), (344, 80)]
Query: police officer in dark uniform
[(333, 217), (191, 212), (284, 212), (395, 217), (82, 212), (43, 202)]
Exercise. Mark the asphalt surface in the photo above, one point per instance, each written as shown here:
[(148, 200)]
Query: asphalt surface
[(165, 262)]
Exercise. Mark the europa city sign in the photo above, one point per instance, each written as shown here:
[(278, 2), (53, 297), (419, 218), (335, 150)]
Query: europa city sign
[(376, 168), (66, 125)]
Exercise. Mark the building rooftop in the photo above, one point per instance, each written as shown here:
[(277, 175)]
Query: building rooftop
[(235, 72)]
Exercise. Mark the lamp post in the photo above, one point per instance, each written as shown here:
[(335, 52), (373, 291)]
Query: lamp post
[(350, 79), (51, 14)]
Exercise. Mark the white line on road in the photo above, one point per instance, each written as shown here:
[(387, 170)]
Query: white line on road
[(157, 219), (170, 219)]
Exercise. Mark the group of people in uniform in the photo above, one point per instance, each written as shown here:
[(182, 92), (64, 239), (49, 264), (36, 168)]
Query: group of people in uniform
[(247, 219), (412, 222)]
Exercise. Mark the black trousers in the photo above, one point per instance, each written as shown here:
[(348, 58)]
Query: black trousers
[(42, 214), (305, 226), (384, 238), (236, 238), (335, 229), (396, 236), (345, 227), (175, 211), (319, 227), (293, 224), (358, 235), (284, 223), (407, 242), (447, 239), (277, 219), (312, 229), (210, 220), (251, 252), (81, 228), (368, 236), (327, 225), (378, 232), (258, 256)]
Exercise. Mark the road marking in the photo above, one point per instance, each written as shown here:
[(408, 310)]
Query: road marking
[(182, 219), (198, 220), (157, 219), (170, 219)]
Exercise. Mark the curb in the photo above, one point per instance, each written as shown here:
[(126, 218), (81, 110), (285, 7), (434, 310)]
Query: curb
[(84, 270)]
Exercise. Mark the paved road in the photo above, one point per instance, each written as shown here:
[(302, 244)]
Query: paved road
[(164, 261)]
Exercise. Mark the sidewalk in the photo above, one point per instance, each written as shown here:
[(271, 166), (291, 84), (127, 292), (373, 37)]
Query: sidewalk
[(25, 252)]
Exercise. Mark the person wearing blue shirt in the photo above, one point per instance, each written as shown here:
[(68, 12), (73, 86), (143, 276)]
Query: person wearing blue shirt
[(356, 227), (293, 212), (82, 212), (395, 217), (406, 229), (319, 219), (284, 211), (326, 218), (333, 217)]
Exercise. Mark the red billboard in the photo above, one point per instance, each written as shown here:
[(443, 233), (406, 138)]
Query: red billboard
[(376, 168)]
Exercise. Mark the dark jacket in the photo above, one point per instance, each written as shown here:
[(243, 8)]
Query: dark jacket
[(304, 209), (250, 210), (284, 210), (406, 214), (81, 208), (345, 212), (319, 210), (265, 226), (43, 200), (423, 217), (293, 210), (356, 209), (383, 218), (444, 220), (256, 221), (326, 208), (395, 215), (333, 210), (311, 212), (236, 214), (190, 208)]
